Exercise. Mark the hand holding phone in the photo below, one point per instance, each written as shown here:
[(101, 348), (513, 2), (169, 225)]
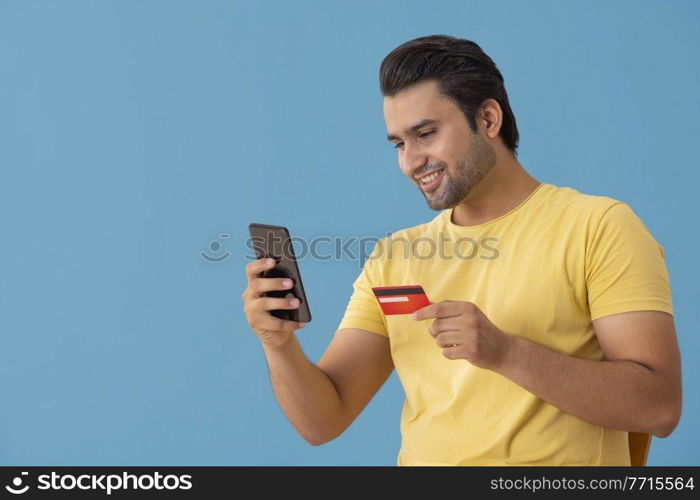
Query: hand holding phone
[(266, 296), (257, 306), (274, 242)]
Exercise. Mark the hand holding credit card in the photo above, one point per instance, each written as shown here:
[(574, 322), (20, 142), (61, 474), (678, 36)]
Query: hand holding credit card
[(403, 299)]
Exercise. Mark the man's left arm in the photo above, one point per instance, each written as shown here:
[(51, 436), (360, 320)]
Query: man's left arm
[(635, 387)]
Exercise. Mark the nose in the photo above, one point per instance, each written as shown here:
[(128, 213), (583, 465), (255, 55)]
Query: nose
[(412, 159)]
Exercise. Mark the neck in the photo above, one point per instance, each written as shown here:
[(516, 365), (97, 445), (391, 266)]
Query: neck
[(504, 188)]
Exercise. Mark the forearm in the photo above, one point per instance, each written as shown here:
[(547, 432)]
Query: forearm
[(614, 394), (305, 393)]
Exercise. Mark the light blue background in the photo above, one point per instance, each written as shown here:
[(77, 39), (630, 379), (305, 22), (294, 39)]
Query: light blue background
[(134, 133)]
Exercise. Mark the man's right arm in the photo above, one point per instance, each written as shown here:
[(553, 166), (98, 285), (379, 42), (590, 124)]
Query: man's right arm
[(320, 400)]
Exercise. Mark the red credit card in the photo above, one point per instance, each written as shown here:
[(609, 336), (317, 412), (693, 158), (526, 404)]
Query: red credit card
[(404, 299)]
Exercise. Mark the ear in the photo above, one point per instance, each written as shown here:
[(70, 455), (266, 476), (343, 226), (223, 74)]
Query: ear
[(490, 117)]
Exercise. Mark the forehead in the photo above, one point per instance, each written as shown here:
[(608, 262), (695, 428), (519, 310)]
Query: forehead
[(415, 103)]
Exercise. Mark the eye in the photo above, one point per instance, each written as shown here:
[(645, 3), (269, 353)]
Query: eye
[(425, 134)]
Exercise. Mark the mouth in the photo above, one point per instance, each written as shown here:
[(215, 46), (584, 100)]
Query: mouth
[(431, 181)]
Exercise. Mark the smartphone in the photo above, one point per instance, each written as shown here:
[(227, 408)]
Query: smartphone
[(274, 242)]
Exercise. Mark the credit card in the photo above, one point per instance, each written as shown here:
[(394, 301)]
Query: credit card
[(403, 299)]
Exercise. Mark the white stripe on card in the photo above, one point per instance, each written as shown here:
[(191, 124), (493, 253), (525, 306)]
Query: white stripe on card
[(393, 299)]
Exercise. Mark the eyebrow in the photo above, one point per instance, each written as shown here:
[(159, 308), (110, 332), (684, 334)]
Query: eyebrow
[(415, 127)]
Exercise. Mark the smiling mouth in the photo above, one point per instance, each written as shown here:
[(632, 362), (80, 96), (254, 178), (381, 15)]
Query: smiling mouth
[(430, 182)]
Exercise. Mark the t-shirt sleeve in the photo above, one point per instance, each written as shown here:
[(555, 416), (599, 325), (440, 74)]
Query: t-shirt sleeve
[(625, 267), (363, 310)]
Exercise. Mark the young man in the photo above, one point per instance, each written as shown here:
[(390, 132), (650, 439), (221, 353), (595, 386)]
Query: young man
[(550, 337)]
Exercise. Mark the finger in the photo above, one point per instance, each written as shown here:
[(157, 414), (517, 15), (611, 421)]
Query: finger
[(262, 285), (255, 267), (272, 303), (444, 309), (449, 324), (448, 340), (424, 312), (452, 353), (265, 321)]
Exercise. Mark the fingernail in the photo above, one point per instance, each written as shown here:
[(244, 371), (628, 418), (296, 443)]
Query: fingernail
[(287, 282), (269, 261), (294, 302), (302, 325)]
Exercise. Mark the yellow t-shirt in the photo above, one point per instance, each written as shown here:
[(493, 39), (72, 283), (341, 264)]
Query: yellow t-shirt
[(542, 271)]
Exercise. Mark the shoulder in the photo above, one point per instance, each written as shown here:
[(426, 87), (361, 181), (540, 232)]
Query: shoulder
[(570, 201), (604, 222), (574, 208)]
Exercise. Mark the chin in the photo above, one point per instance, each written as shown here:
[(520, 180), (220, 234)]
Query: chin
[(438, 204), (439, 207), (443, 200)]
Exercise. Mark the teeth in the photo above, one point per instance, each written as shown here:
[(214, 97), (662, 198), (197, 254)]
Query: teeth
[(430, 178)]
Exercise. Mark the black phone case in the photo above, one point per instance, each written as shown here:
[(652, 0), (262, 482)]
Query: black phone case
[(275, 242)]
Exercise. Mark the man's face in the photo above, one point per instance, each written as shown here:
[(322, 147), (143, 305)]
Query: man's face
[(441, 155)]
